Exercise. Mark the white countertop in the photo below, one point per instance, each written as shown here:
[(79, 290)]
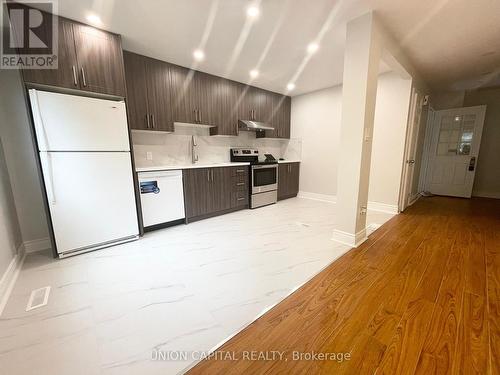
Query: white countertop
[(289, 161), (187, 166)]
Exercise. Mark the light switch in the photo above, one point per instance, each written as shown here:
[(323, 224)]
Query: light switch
[(149, 155)]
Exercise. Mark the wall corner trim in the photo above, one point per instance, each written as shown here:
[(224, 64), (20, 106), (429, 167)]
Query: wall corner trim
[(9, 277), (349, 239)]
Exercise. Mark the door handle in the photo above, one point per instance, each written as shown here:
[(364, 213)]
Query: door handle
[(49, 183), (472, 163), (411, 161), (84, 80), (75, 78)]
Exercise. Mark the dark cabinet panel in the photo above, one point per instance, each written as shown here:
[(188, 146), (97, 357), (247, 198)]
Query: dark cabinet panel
[(293, 179), (229, 96), (280, 119), (282, 181), (256, 105), (288, 180), (66, 74), (207, 97), (197, 192), (137, 95), (222, 187), (184, 100), (159, 94), (100, 60), (149, 93), (89, 59), (211, 191)]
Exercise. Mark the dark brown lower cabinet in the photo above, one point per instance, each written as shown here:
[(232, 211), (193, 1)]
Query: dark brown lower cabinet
[(288, 180), (214, 191)]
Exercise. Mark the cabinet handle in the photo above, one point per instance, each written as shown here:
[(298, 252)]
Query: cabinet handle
[(240, 170), (147, 121), (212, 175), (208, 175), (195, 115), (153, 121), (240, 184), (241, 199), (75, 78), (83, 77)]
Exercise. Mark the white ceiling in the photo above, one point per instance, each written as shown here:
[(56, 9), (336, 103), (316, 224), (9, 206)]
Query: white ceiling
[(452, 43)]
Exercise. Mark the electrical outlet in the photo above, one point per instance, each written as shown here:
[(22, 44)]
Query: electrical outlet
[(149, 155)]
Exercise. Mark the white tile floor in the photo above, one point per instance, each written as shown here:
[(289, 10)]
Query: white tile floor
[(185, 288)]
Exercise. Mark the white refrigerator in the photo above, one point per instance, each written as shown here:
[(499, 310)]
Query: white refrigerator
[(84, 151)]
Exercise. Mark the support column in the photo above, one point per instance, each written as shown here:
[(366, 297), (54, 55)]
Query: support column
[(361, 64)]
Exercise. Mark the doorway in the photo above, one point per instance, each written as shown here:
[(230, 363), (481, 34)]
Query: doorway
[(456, 138)]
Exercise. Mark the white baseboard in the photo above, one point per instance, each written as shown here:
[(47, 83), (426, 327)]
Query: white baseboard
[(36, 245), (349, 239), (374, 206), (383, 207), (486, 194), (317, 197), (9, 277)]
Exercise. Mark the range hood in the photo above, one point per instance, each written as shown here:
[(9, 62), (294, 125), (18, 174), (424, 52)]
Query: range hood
[(253, 126)]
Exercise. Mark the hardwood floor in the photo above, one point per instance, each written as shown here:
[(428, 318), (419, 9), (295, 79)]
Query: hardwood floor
[(421, 296)]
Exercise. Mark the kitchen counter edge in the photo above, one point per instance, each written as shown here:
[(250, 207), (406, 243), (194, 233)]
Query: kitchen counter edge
[(189, 166)]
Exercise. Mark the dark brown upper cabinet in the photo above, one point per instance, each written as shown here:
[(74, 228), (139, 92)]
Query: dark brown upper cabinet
[(229, 95), (281, 117), (89, 59), (196, 96), (256, 105), (66, 74), (149, 93), (100, 60)]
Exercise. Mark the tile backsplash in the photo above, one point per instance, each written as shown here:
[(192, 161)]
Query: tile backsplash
[(175, 148)]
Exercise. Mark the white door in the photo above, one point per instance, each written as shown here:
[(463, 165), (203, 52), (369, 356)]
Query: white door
[(76, 123), (410, 150), (456, 138), (91, 198)]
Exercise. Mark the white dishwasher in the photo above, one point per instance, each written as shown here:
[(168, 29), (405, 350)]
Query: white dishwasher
[(162, 197)]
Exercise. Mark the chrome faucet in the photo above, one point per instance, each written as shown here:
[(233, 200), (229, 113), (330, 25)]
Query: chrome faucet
[(194, 154)]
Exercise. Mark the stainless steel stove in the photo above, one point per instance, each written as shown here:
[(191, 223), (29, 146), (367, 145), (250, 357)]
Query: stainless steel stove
[(263, 175)]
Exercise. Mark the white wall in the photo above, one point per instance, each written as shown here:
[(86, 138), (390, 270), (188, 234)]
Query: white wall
[(316, 119), (10, 234), (388, 146), (20, 157)]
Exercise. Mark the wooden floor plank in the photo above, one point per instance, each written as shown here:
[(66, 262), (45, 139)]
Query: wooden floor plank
[(421, 295)]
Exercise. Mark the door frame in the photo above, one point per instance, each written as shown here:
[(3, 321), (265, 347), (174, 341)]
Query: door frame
[(434, 133), (431, 115), (412, 131)]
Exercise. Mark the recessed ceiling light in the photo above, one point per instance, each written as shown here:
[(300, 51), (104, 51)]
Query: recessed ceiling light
[(94, 19), (312, 47), (254, 73), (290, 86), (253, 11), (198, 55)]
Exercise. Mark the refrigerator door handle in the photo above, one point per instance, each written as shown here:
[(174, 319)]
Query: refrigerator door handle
[(49, 176), (38, 120)]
